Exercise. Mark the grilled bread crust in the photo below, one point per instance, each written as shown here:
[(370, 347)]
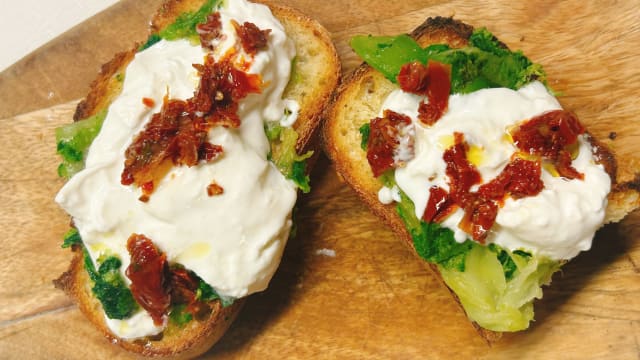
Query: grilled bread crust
[(359, 99), (318, 69)]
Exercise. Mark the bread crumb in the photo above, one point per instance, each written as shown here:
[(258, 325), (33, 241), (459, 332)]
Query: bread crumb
[(326, 252)]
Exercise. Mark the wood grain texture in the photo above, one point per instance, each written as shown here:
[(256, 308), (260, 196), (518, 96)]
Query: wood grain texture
[(373, 299)]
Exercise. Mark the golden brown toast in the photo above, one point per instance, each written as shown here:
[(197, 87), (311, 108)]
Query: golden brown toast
[(318, 70), (359, 99)]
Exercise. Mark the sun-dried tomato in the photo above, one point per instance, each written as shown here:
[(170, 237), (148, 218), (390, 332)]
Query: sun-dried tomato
[(520, 178), (437, 93), (433, 81), (384, 140), (184, 290), (214, 189), (148, 272), (549, 135), (178, 134), (414, 78), (210, 30), (439, 206), (251, 37), (462, 174)]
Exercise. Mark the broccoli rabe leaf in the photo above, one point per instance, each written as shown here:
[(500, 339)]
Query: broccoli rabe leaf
[(489, 298), (508, 265), (109, 287), (432, 242), (72, 237), (283, 154), (179, 315), (495, 286), (73, 141), (485, 63), (184, 27), (206, 293), (365, 130), (388, 53), (152, 39), (299, 175)]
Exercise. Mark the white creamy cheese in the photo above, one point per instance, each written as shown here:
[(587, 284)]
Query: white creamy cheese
[(558, 223), (388, 195), (233, 241)]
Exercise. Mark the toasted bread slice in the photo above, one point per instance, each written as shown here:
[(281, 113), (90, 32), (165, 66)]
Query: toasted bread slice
[(359, 99), (318, 71)]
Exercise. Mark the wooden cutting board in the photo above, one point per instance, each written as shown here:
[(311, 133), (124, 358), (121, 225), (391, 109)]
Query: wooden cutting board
[(373, 299)]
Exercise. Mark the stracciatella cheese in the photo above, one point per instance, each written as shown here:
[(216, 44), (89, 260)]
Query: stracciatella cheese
[(233, 241), (557, 223)]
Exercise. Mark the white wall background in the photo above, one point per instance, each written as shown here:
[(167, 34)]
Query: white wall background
[(25, 25)]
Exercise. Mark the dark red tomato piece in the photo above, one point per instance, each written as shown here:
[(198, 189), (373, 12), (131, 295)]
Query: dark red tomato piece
[(439, 206), (184, 290), (384, 139), (437, 93), (414, 78), (479, 216), (210, 30), (432, 80), (520, 178), (462, 174), (549, 135), (177, 135), (148, 272), (251, 37)]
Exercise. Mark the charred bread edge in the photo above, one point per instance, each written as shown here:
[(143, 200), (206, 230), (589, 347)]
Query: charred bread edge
[(75, 281), (456, 34)]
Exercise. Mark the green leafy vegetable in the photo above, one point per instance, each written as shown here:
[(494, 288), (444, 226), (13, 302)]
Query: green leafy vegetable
[(109, 287), (179, 315), (491, 300), (387, 54), (496, 287), (273, 129), (185, 25), (432, 242), (365, 130), (72, 237), (283, 154), (73, 142), (206, 293), (508, 265), (152, 39), (485, 63)]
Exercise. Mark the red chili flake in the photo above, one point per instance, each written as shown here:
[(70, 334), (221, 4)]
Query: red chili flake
[(214, 189), (210, 30), (178, 134), (148, 272), (384, 139), (549, 135), (148, 102), (251, 37), (147, 189)]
